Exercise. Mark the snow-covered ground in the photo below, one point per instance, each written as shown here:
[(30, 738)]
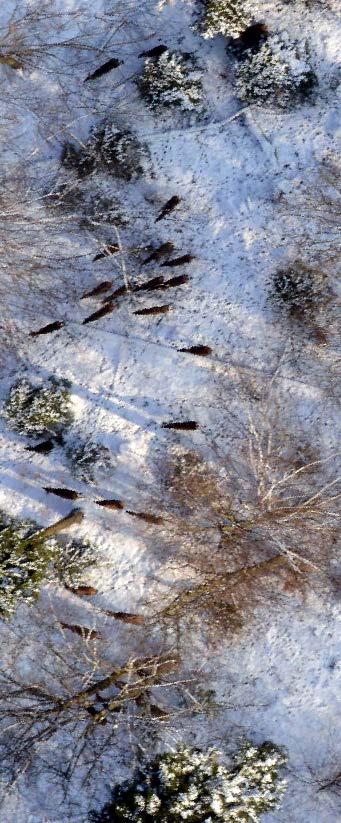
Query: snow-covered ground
[(241, 172)]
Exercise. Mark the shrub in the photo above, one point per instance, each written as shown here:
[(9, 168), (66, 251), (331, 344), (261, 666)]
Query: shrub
[(72, 562), (171, 80), (28, 557), (298, 288), (113, 149), (38, 410), (226, 17), (278, 74), (90, 461), (191, 784), (24, 560)]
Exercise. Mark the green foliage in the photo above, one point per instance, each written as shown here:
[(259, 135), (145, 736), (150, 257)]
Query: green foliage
[(193, 785), (171, 80), (278, 74), (38, 411), (24, 561), (298, 288), (226, 17), (27, 559)]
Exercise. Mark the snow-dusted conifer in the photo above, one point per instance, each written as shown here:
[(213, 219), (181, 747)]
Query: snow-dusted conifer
[(36, 411), (24, 560), (193, 785), (90, 461), (278, 74), (226, 17), (171, 80)]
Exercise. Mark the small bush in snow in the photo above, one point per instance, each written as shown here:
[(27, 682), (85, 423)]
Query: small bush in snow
[(298, 288), (72, 561), (226, 17), (110, 148), (24, 561), (171, 80), (193, 786), (278, 74), (28, 558), (37, 411), (90, 461)]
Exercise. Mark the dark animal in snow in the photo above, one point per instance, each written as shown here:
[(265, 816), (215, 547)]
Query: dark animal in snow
[(105, 285), (154, 283), (68, 494), (83, 591), (104, 69), (159, 253), (110, 504), (180, 280), (156, 51), (115, 294), (127, 617), (154, 519), (168, 207), (82, 631), (202, 351), (42, 448), (153, 310), (110, 249), (179, 261), (58, 324), (185, 425), (106, 309), (250, 40)]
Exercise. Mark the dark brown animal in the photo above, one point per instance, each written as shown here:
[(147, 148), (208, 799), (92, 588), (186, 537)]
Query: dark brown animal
[(171, 204), (104, 69), (110, 504), (153, 310), (105, 285), (82, 631), (156, 51), (159, 714), (159, 253), (185, 425), (127, 617), (202, 351), (179, 261), (96, 315), (250, 40), (180, 280), (83, 591), (111, 249), (42, 448), (153, 519), (58, 324), (154, 283), (115, 294), (68, 494)]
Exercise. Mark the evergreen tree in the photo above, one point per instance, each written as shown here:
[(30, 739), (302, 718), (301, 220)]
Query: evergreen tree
[(192, 785), (29, 557), (37, 411), (24, 560), (226, 17), (278, 74), (171, 80)]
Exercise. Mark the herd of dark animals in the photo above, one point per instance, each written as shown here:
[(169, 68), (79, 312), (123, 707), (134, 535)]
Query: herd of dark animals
[(250, 40), (114, 504)]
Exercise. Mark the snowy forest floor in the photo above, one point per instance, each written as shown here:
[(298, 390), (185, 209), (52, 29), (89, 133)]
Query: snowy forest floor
[(259, 188)]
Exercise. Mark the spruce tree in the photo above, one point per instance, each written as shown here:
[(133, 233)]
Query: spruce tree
[(194, 786)]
